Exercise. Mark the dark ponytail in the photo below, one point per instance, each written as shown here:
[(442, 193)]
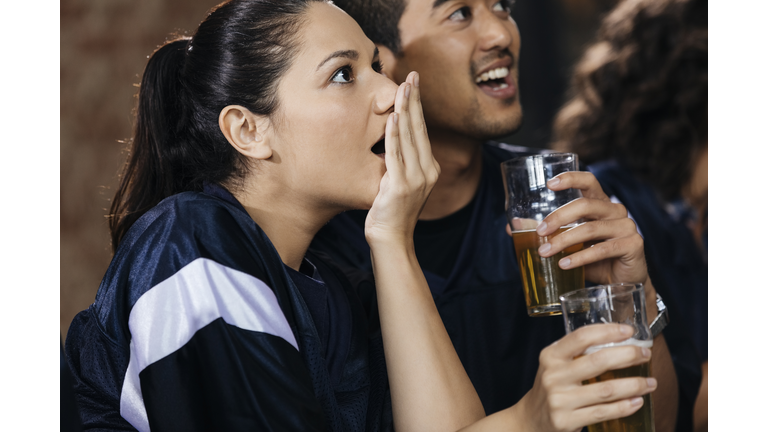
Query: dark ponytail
[(146, 179), (236, 57)]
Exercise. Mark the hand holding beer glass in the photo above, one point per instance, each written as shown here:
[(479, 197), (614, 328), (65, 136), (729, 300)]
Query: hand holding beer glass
[(612, 251), (528, 202), (620, 304)]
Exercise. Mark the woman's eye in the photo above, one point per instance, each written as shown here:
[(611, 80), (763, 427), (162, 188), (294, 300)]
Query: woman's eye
[(460, 14), (343, 75)]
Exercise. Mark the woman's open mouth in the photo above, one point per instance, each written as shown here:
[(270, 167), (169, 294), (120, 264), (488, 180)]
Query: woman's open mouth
[(378, 148)]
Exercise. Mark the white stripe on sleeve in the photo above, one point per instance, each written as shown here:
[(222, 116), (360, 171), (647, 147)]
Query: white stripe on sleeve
[(166, 317)]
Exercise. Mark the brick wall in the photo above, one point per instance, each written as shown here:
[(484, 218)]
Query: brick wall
[(104, 48)]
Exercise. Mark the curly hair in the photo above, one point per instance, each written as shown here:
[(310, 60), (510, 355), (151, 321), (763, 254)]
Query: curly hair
[(639, 94)]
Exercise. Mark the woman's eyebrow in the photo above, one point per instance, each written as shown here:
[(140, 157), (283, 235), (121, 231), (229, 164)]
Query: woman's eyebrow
[(350, 54)]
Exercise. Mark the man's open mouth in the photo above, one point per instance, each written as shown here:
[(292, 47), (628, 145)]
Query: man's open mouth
[(495, 79), (498, 82)]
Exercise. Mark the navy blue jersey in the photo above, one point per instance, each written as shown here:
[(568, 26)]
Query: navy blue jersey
[(198, 325), (677, 266), (676, 263), (481, 302)]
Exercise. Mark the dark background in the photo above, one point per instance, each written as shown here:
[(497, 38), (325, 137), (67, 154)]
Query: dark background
[(104, 47)]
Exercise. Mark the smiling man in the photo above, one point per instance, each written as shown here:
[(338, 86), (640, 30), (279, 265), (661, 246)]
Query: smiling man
[(467, 53)]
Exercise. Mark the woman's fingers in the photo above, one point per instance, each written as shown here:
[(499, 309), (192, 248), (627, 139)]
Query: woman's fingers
[(607, 359), (608, 411), (418, 125), (559, 394), (616, 389), (393, 157), (408, 146), (593, 403), (575, 343), (420, 166)]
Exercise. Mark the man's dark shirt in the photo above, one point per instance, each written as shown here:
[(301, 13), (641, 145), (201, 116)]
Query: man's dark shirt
[(437, 242), (481, 300)]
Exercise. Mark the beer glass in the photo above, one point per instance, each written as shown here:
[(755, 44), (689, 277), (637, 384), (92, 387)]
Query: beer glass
[(528, 202), (621, 304)]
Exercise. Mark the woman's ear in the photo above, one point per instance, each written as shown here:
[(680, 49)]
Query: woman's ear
[(247, 132)]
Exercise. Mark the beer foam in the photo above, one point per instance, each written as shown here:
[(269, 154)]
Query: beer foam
[(631, 341)]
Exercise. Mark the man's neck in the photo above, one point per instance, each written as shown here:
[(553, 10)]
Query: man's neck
[(461, 167)]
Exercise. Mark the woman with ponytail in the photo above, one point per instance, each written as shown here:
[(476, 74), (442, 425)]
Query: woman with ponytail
[(213, 315)]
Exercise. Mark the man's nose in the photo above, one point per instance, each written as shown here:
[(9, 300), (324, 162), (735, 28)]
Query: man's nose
[(496, 33)]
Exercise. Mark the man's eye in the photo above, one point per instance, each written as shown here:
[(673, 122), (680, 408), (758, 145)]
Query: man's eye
[(377, 66), (343, 75), (503, 6), (460, 14)]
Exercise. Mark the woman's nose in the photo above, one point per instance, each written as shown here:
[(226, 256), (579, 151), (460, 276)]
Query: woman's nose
[(385, 95)]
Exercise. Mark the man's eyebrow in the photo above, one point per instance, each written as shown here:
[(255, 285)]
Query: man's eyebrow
[(437, 3), (350, 54), (375, 52)]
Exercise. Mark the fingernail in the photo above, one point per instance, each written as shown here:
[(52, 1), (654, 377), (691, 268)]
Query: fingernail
[(554, 182), (542, 228), (646, 352), (651, 382), (416, 80), (545, 248), (627, 330), (394, 118), (637, 401), (565, 262), (407, 90)]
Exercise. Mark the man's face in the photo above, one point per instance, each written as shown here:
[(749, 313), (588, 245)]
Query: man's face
[(458, 48)]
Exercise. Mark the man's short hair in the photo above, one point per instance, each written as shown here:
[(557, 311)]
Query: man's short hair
[(379, 19)]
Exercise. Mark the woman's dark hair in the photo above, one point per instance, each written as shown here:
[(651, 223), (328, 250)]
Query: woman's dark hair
[(236, 57), (639, 94)]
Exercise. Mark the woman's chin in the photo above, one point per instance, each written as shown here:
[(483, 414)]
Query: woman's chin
[(367, 203)]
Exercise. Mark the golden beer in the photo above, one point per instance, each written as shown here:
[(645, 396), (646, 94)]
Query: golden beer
[(642, 419), (543, 280)]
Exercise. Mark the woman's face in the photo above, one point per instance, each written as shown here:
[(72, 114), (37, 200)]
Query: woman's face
[(333, 109)]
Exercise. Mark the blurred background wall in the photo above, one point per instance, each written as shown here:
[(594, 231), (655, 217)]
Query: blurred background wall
[(104, 47)]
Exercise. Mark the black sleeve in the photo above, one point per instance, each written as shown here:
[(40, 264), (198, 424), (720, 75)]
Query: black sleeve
[(687, 364), (227, 378)]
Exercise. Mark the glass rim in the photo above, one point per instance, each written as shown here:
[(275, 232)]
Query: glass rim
[(582, 295), (543, 156)]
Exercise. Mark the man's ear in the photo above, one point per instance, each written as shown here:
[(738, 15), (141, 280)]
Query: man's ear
[(247, 132), (388, 61)]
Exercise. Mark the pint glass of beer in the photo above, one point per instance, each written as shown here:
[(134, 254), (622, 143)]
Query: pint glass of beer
[(621, 304), (528, 202)]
